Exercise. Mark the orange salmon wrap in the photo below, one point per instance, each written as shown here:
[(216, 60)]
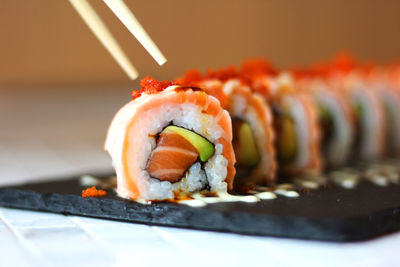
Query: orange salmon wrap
[(139, 142), (249, 111)]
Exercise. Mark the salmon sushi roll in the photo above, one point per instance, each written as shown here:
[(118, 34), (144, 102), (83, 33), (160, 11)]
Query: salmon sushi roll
[(383, 80), (369, 110), (391, 95), (253, 136), (336, 120), (367, 105), (171, 141), (295, 117), (335, 115)]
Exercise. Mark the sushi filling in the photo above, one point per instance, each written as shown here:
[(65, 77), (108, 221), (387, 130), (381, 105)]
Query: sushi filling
[(286, 140), (336, 130), (327, 125), (244, 144), (176, 151), (367, 142), (199, 175), (253, 161), (393, 128), (358, 112)]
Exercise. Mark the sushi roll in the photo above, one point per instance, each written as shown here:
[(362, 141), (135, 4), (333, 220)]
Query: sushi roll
[(171, 141), (251, 122), (390, 83), (380, 79), (367, 105), (295, 117), (336, 118)]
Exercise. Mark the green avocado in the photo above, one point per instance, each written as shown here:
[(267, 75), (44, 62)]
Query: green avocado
[(358, 109), (323, 112), (359, 133), (286, 139), (327, 124), (245, 145), (203, 146)]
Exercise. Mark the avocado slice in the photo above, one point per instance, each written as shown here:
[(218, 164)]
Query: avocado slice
[(324, 113), (327, 124), (286, 139), (244, 144), (203, 146), (359, 133), (358, 109), (391, 124)]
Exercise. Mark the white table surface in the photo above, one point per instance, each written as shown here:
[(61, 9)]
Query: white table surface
[(53, 133)]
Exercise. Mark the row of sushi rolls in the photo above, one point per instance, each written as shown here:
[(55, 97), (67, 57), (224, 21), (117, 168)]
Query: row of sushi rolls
[(254, 128)]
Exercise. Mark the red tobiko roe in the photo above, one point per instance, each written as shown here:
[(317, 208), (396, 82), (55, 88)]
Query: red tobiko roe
[(322, 68), (194, 76), (343, 61), (257, 67), (151, 86), (191, 78), (225, 74), (302, 72)]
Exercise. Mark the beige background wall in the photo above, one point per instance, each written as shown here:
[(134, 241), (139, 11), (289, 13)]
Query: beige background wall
[(44, 43)]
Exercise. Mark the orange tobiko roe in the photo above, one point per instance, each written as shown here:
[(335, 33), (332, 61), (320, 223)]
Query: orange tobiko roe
[(256, 71), (344, 62), (151, 86), (191, 78), (225, 74), (299, 73), (253, 68), (195, 78), (93, 192)]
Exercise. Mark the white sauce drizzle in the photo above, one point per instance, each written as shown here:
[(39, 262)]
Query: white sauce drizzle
[(286, 193), (285, 186), (225, 197), (309, 184), (382, 174), (193, 203), (201, 201), (347, 178), (266, 195), (380, 180), (348, 184)]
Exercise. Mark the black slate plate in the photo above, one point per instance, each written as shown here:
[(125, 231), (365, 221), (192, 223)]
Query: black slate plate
[(332, 214)]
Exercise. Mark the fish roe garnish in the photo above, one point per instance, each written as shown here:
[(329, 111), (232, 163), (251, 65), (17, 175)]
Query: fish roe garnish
[(257, 67), (151, 86), (191, 78), (93, 192), (226, 74)]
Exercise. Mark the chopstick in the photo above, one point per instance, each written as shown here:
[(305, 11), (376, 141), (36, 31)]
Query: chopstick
[(122, 11), (100, 30)]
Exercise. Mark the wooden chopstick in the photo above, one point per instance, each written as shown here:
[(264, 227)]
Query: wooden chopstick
[(94, 22), (122, 11)]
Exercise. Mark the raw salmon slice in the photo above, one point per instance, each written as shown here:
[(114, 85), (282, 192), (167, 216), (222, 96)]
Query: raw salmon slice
[(171, 158)]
